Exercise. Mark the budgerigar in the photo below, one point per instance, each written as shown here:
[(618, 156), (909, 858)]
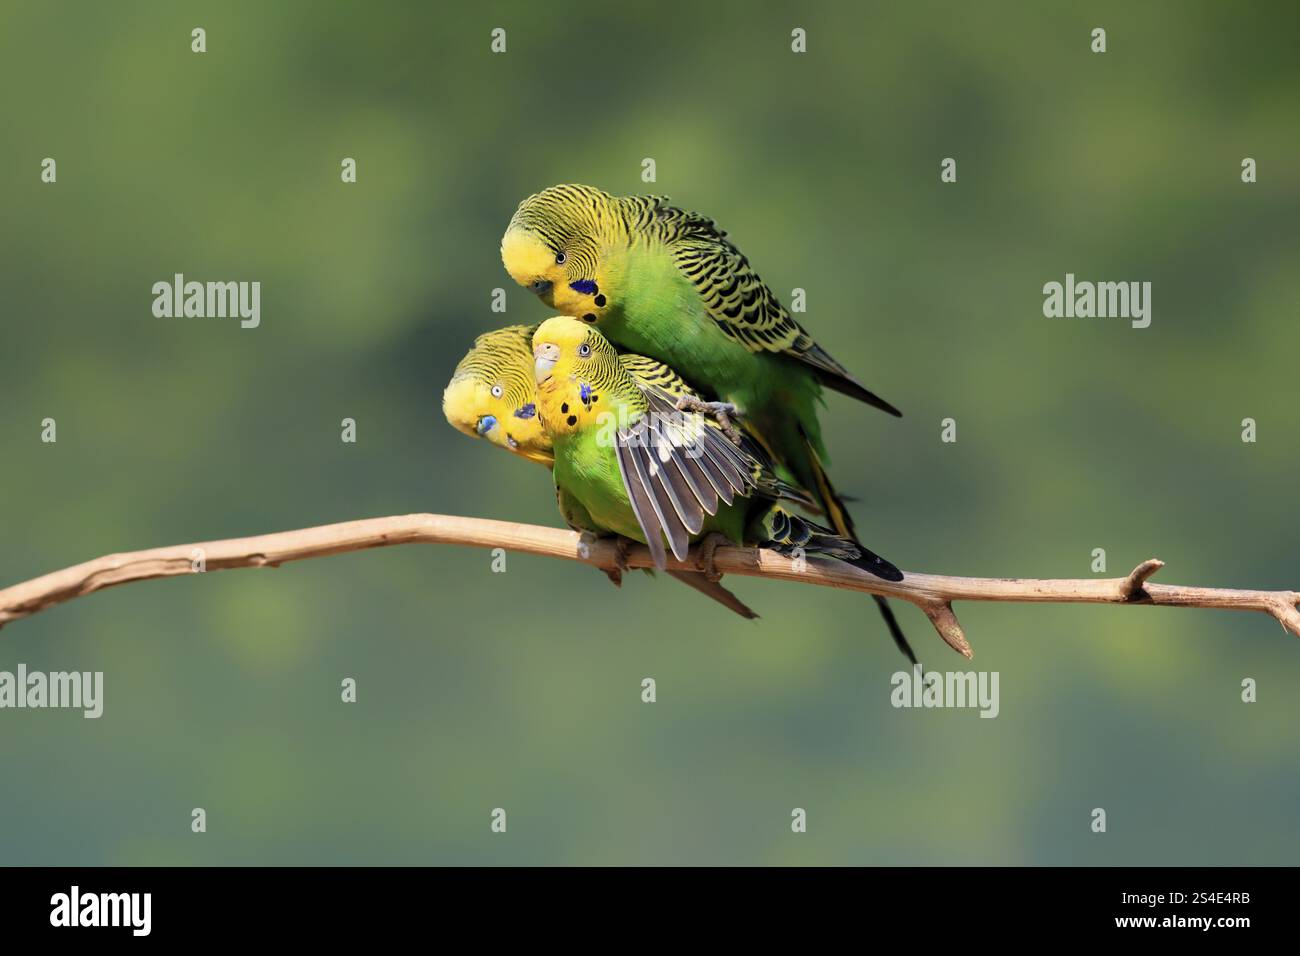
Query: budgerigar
[(647, 471), (667, 283), (493, 395)]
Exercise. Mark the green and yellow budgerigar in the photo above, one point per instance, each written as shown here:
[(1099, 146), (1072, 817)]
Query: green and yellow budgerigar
[(667, 283), (493, 395), (645, 470)]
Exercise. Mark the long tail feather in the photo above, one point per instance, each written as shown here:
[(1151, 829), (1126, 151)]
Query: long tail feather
[(895, 631), (835, 511)]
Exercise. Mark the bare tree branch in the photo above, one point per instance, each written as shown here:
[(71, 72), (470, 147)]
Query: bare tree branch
[(932, 593)]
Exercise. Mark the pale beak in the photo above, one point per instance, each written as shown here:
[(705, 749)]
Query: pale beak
[(545, 355)]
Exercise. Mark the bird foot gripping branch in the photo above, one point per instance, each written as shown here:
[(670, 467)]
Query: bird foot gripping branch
[(621, 547), (706, 551)]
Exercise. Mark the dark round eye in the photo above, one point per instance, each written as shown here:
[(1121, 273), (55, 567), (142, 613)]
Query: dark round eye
[(584, 349), (561, 258)]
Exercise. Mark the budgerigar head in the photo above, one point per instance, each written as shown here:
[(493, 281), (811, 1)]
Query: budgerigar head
[(556, 245), (579, 376), (492, 394)]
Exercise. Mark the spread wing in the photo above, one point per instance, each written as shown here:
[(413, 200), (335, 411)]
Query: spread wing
[(740, 302), (652, 375), (676, 469)]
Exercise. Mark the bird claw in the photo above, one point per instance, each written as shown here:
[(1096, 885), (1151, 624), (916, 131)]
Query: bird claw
[(621, 547), (720, 412), (709, 545)]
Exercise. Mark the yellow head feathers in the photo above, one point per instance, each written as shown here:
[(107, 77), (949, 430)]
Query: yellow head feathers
[(492, 394), (531, 262), (580, 376), (557, 243), (564, 348)]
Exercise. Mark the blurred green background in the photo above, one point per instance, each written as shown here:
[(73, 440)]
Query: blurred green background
[(522, 690)]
